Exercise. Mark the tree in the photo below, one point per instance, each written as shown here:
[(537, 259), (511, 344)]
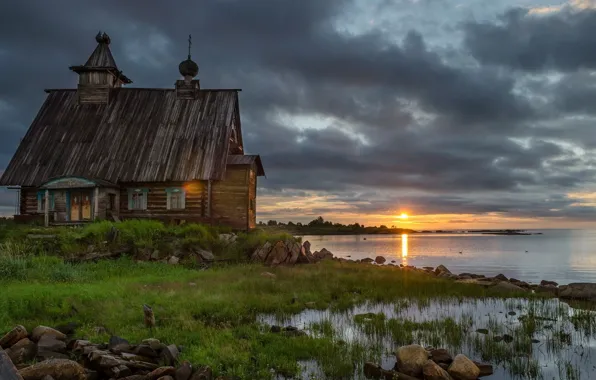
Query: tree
[(317, 222), (272, 223)]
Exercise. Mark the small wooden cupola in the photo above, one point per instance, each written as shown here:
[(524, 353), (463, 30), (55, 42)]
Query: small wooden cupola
[(99, 74), (188, 88)]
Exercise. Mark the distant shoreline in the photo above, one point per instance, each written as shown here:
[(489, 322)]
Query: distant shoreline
[(304, 231)]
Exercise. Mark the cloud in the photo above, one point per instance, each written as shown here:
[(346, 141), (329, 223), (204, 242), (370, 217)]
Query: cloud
[(351, 113)]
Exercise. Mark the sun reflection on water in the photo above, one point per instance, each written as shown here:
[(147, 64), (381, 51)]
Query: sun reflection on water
[(404, 248)]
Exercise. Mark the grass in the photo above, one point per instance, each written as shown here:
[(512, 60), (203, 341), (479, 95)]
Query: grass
[(212, 313), (217, 314)]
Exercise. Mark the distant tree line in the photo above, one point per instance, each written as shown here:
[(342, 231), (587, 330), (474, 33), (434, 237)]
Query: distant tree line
[(320, 226)]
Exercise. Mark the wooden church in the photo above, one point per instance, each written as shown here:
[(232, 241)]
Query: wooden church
[(105, 151)]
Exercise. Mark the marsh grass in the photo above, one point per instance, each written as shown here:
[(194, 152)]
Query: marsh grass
[(213, 313)]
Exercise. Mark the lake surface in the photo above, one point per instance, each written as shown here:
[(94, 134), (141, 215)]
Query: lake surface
[(563, 256)]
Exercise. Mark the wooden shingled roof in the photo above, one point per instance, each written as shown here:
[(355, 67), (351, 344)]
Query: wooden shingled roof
[(141, 135)]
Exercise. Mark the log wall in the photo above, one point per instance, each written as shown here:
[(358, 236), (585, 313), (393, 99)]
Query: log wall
[(229, 197)]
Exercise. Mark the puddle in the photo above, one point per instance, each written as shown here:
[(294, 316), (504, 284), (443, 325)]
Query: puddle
[(550, 340)]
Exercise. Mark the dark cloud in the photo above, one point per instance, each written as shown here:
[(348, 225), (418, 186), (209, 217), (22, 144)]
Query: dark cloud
[(341, 113), (562, 40)]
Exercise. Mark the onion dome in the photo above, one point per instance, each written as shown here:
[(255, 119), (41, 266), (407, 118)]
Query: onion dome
[(188, 68)]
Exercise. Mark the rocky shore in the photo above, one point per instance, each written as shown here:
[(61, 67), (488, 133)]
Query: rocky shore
[(416, 362), (292, 253), (46, 353)]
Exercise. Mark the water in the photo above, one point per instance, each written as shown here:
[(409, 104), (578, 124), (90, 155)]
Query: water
[(563, 256), (549, 337)]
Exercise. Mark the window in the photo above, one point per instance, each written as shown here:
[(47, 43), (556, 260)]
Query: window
[(41, 201), (176, 198), (137, 199)]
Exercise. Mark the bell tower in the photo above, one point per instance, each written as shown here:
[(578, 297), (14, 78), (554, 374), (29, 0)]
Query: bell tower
[(188, 88), (99, 74)]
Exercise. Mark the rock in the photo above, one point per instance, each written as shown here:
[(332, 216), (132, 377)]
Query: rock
[(441, 356), (40, 331), (47, 377), (547, 289), (380, 260), (372, 370), (173, 260), (153, 343), (49, 343), (505, 286), (310, 305), (13, 336), (22, 351), (204, 255), (323, 254), (119, 371), (463, 368), (432, 371), (578, 291), (367, 260), (442, 269), (507, 338), (280, 253), (166, 378), (169, 355), (203, 373), (501, 277), (154, 255), (411, 359), (548, 283), (268, 275), (275, 329), (184, 371), (228, 238), (485, 369), (7, 368), (160, 372), (59, 369), (118, 344), (482, 331)]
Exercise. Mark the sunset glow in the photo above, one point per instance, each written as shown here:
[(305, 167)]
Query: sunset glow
[(403, 216)]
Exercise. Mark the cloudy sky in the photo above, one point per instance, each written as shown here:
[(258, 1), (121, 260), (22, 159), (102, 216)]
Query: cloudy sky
[(464, 114)]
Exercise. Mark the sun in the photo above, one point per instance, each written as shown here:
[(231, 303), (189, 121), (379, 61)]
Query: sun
[(403, 216)]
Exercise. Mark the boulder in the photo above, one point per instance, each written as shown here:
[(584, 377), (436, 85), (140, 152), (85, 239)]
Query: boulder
[(13, 336), (203, 255), (40, 331), (22, 351), (59, 369), (508, 287), (323, 254), (411, 359), (485, 369), (441, 355), (380, 260), (160, 372), (501, 277), (305, 256), (432, 371), (548, 283), (547, 289), (463, 368), (184, 371), (227, 238), (169, 355), (280, 253), (367, 260), (442, 269), (578, 291), (7, 368), (50, 343), (372, 370), (203, 373), (173, 260)]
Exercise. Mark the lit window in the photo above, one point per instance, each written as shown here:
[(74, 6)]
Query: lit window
[(176, 198)]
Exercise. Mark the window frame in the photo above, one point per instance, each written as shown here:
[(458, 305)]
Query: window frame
[(175, 190), (41, 200), (144, 202)]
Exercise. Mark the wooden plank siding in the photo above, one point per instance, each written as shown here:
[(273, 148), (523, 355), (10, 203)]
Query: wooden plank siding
[(252, 197), (229, 197), (157, 200)]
